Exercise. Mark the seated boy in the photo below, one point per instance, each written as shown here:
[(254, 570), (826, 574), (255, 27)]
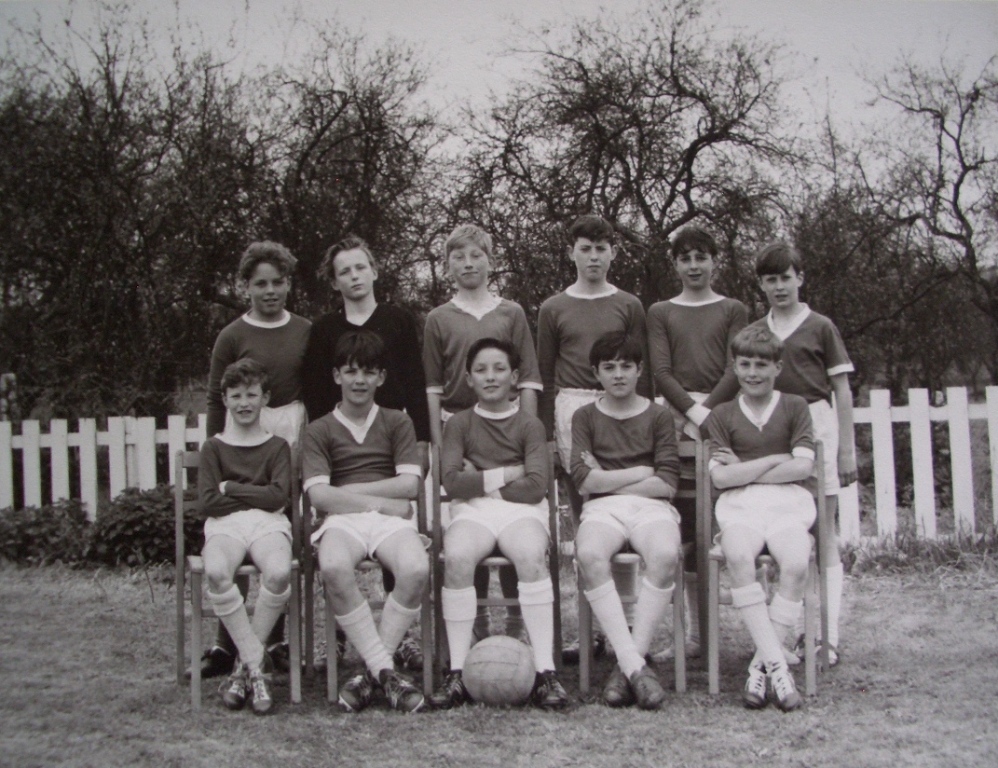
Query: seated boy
[(361, 468), (244, 483), (624, 457), (495, 468), (762, 458)]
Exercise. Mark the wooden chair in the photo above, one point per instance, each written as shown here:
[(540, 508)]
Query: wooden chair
[(495, 560), (815, 595), (366, 565), (193, 566), (688, 449)]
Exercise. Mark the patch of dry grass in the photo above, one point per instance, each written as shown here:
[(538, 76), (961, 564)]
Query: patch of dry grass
[(87, 668)]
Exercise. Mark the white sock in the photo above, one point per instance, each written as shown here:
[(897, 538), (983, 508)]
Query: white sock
[(625, 580), (836, 579), (652, 604), (750, 601), (692, 608), (269, 608), (459, 609), (358, 626), (231, 610), (395, 620), (606, 605), (784, 614), (537, 607)]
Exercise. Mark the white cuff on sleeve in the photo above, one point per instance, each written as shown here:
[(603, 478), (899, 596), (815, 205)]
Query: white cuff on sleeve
[(494, 479), (698, 414)]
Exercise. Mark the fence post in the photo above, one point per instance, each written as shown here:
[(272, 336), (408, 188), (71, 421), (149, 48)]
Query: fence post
[(922, 464), (883, 462), (961, 460), (992, 394), (6, 465), (118, 473), (59, 458), (88, 466), (31, 461)]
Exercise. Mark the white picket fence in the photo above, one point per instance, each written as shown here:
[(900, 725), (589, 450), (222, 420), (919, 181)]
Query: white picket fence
[(128, 450)]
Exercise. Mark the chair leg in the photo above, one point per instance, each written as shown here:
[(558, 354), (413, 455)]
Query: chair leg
[(713, 626), (555, 569), (679, 627), (294, 633), (332, 690), (810, 626), (181, 628), (426, 630), (196, 642), (308, 586), (585, 643)]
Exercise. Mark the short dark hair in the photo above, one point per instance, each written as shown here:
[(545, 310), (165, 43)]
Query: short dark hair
[(776, 258), (593, 228), (364, 349), (327, 269), (245, 372), (693, 238), (615, 345), (489, 343), (469, 233), (265, 252), (757, 341)]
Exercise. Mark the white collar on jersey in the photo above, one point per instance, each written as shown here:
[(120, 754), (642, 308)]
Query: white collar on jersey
[(759, 421), (236, 442), (576, 294), (641, 408), (514, 407), (685, 303), (285, 319), (358, 432), (475, 310), (792, 326)]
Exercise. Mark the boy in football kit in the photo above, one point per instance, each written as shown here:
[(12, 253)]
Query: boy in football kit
[(567, 326), (495, 468), (244, 483), (361, 468), (762, 458), (624, 458), (474, 313), (816, 366), (688, 340), (277, 339)]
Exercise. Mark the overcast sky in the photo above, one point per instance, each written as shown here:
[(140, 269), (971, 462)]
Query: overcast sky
[(464, 39)]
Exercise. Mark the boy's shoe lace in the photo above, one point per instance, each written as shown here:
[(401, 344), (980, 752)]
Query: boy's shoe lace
[(548, 691), (647, 689), (409, 656), (356, 693), (754, 693), (782, 682), (617, 691), (402, 695), (233, 689), (262, 701), (451, 692)]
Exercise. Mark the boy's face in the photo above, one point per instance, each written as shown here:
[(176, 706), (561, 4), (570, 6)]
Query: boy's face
[(694, 269), (782, 290), (469, 265), (268, 291), (618, 377), (757, 375), (358, 384), (244, 403), (353, 275), (491, 377), (592, 258)]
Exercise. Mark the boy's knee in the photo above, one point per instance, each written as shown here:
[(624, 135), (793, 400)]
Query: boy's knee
[(277, 577), (218, 577), (412, 571), (458, 563), (592, 562), (336, 572)]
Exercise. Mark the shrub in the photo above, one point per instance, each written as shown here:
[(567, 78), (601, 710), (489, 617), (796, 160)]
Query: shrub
[(137, 528), (52, 533)]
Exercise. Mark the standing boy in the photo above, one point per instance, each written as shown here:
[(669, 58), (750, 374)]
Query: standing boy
[(474, 313), (688, 340), (276, 339), (624, 458), (762, 459), (567, 326), (244, 483), (361, 468), (352, 270), (816, 366), (495, 468)]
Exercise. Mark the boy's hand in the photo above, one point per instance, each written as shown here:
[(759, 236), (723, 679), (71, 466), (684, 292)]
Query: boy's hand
[(847, 466), (396, 508), (590, 461), (724, 456), (513, 473), (467, 466)]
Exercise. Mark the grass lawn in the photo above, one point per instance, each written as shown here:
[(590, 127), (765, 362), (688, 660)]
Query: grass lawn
[(87, 671)]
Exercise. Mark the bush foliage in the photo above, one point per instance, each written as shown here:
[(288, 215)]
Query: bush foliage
[(52, 533)]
